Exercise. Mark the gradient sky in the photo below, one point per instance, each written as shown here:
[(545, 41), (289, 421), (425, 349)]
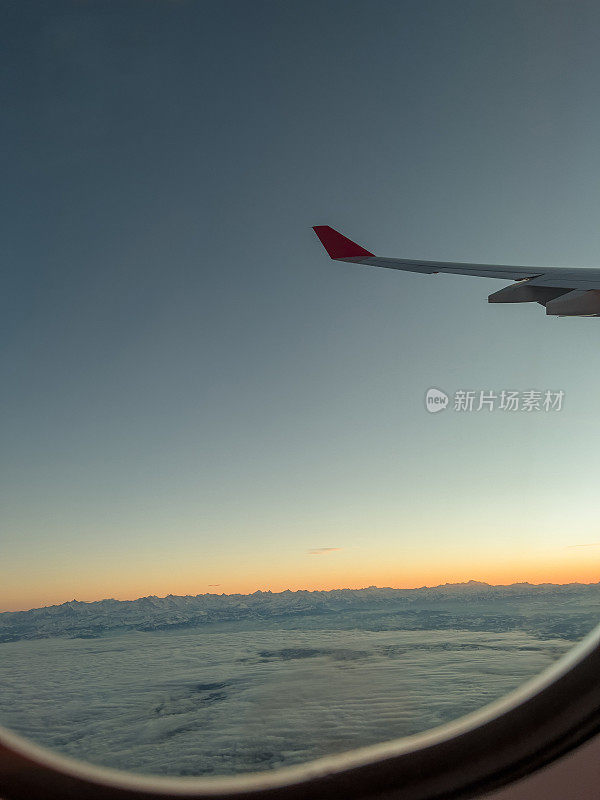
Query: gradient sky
[(193, 396)]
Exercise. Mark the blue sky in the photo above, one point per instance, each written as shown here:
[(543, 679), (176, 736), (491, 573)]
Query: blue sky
[(193, 395)]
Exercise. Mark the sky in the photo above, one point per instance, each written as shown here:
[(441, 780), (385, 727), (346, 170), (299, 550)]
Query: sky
[(194, 398)]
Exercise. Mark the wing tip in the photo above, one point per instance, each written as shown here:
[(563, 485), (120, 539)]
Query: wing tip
[(339, 246)]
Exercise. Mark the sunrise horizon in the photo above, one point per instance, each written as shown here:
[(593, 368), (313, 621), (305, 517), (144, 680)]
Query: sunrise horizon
[(299, 394), (214, 590)]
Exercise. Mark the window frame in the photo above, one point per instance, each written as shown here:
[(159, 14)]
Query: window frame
[(503, 741)]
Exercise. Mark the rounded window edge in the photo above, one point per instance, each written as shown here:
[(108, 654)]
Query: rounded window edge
[(525, 730)]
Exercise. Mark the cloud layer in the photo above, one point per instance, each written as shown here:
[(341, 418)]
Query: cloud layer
[(229, 700)]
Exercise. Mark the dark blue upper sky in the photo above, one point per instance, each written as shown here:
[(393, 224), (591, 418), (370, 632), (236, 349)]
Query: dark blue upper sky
[(192, 393)]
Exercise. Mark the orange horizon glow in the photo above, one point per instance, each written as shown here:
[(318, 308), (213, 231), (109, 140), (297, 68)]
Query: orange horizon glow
[(434, 579)]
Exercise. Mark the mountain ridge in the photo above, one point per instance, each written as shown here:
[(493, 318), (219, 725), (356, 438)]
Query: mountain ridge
[(471, 605), (470, 585)]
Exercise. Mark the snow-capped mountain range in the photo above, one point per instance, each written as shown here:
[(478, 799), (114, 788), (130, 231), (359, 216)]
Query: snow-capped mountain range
[(449, 605)]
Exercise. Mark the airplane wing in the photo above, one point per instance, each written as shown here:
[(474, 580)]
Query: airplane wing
[(565, 291)]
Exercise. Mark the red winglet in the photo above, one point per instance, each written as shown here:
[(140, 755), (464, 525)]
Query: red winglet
[(339, 246)]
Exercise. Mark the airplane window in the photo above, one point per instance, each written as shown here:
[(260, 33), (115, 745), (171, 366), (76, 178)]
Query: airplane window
[(279, 482)]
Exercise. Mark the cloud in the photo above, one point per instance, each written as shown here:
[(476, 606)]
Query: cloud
[(591, 544), (184, 704), (320, 551)]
